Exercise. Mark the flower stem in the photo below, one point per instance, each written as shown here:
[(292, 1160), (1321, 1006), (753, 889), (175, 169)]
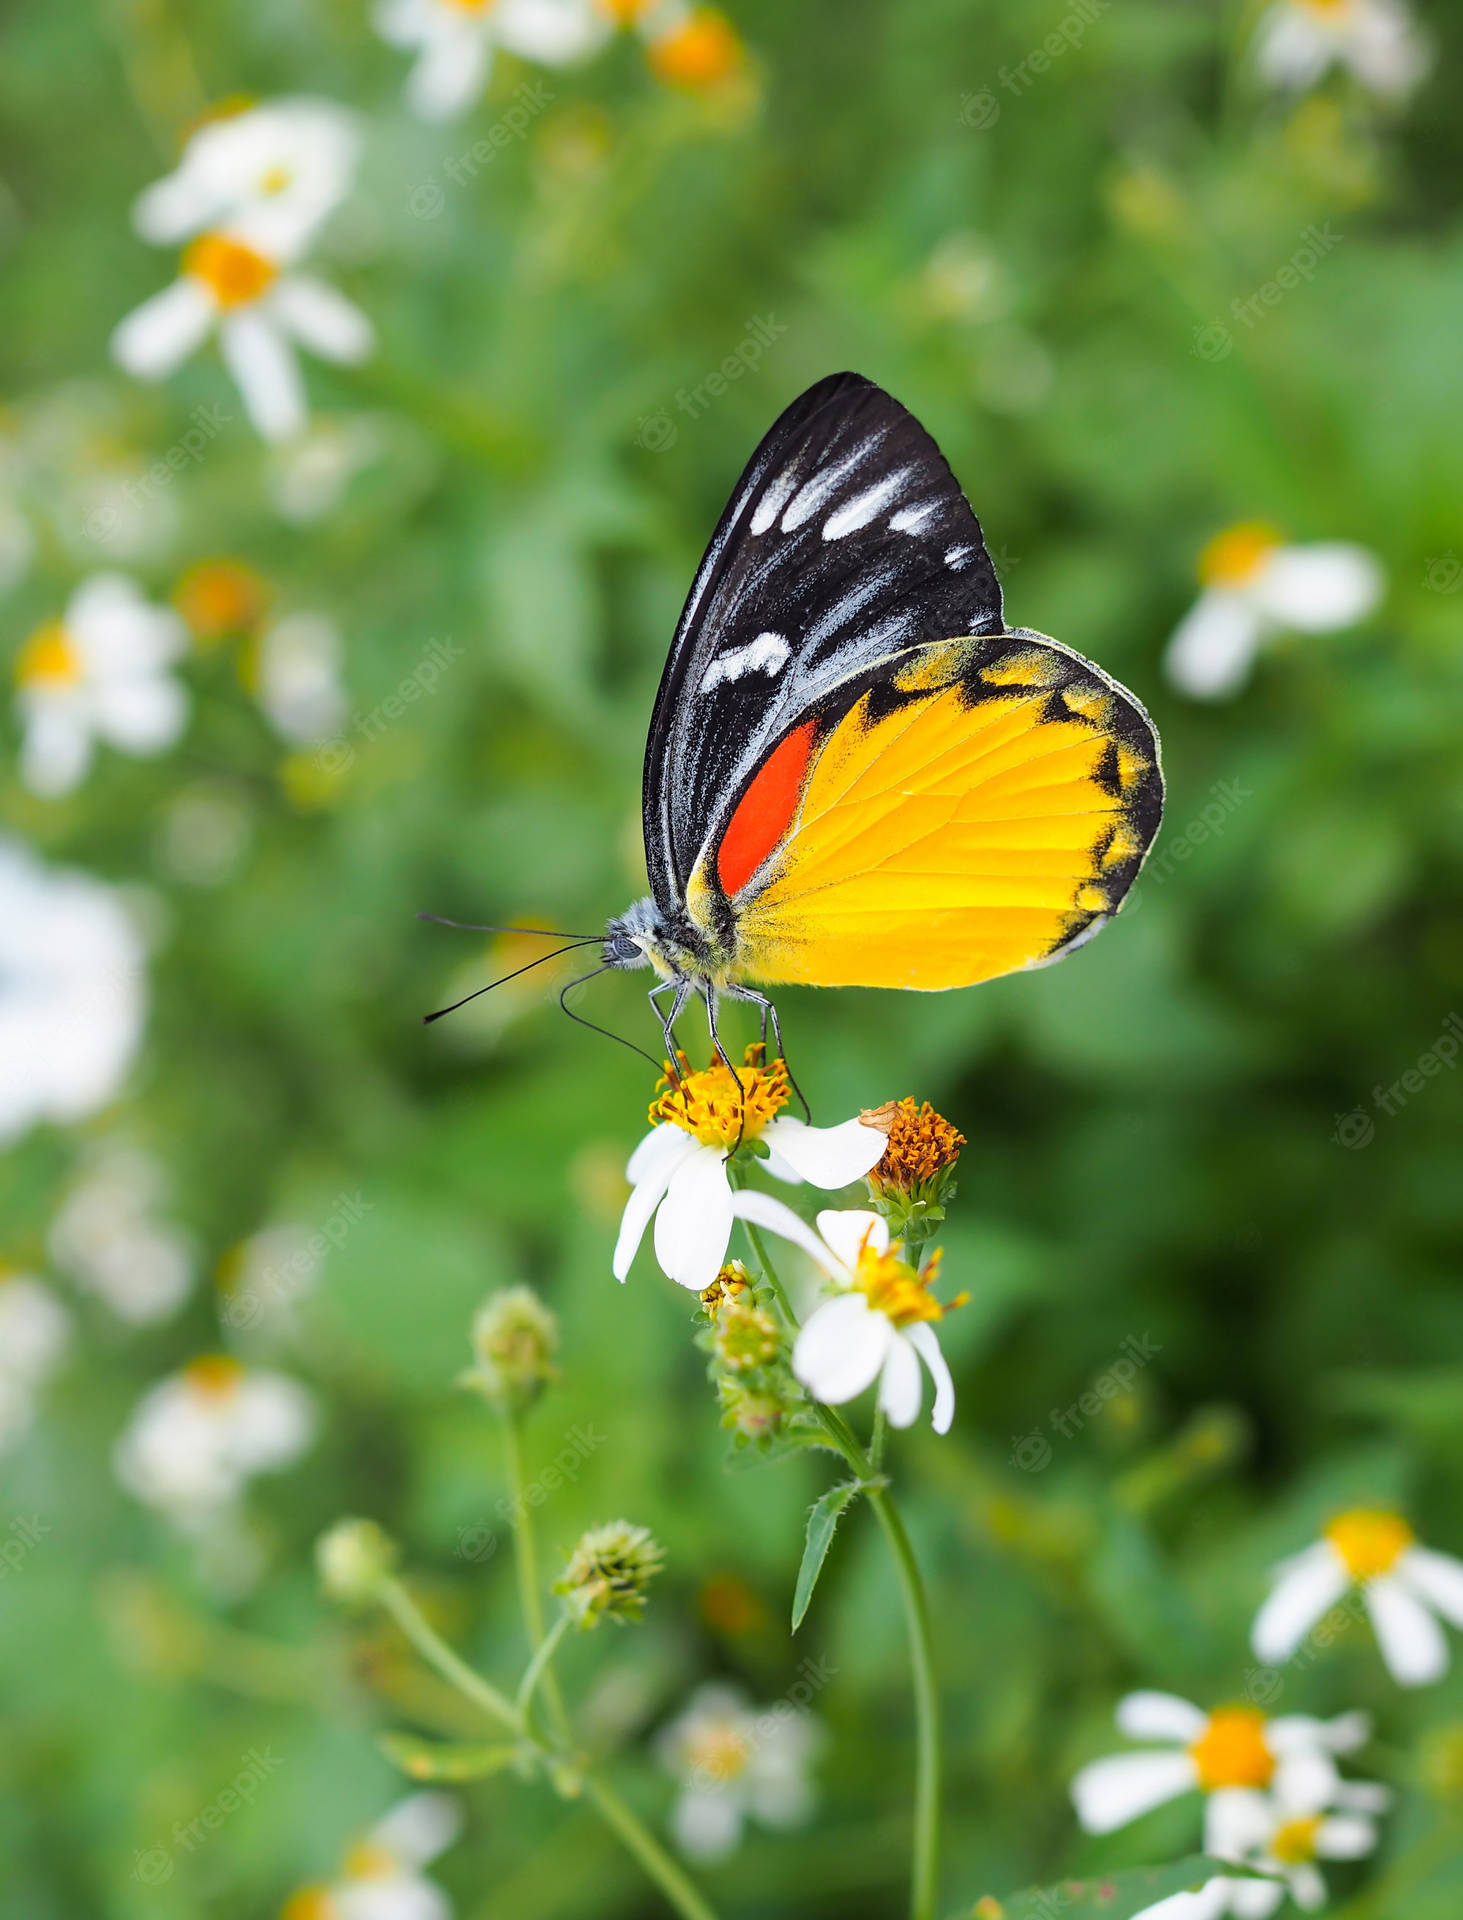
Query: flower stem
[(925, 1872), (642, 1843), (538, 1668), (436, 1652), (526, 1560)]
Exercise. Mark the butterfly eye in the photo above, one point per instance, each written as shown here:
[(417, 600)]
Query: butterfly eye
[(621, 951)]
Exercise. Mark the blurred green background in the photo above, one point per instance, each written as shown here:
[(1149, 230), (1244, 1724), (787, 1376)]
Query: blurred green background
[(1155, 1146)]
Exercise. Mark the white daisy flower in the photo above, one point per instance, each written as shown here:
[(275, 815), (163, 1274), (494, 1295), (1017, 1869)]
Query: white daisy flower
[(1256, 586), (679, 1167), (734, 1762), (196, 1439), (1376, 40), (879, 1325), (261, 310), (72, 993), (108, 1238), (269, 175), (1405, 1587), (100, 672), (381, 1876), (34, 1331), (455, 40), (1219, 1754)]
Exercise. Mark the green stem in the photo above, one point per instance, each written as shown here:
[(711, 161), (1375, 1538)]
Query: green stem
[(925, 1872), (436, 1652), (526, 1560), (538, 1668), (642, 1843)]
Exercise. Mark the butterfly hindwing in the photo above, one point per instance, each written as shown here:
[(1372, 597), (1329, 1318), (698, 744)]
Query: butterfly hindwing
[(846, 543)]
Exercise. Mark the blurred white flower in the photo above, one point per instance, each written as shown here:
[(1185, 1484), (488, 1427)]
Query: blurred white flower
[(100, 672), (878, 1327), (455, 40), (296, 676), (308, 478), (269, 175), (1256, 586), (261, 310), (381, 1876), (34, 1331), (72, 993), (1404, 1585), (196, 1438), (261, 1278), (1377, 40), (1231, 1751), (680, 1165), (108, 1238), (735, 1761)]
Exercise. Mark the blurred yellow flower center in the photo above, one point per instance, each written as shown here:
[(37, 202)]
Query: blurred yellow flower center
[(369, 1860), (49, 658), (1234, 557), (274, 180), (1328, 9), (719, 1750), (709, 1105), (471, 6), (1295, 1843), (218, 597), (310, 1903), (1231, 1751), (234, 274), (896, 1289), (626, 12), (699, 54), (215, 1375), (1369, 1540)]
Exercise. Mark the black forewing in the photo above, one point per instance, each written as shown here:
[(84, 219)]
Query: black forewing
[(846, 541)]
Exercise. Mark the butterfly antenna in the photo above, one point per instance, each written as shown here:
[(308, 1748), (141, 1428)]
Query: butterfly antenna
[(468, 926), (589, 941), (581, 1021)]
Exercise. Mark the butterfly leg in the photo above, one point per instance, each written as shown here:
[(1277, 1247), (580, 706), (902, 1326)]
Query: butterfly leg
[(682, 991), (708, 993), (769, 1012)]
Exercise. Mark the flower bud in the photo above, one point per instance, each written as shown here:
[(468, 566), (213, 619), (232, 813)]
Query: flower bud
[(515, 1338), (746, 1337), (608, 1573), (915, 1177), (355, 1559)]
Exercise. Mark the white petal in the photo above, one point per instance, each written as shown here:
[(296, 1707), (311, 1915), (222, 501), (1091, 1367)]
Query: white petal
[(695, 1220), (1411, 1640), (1304, 1783), (142, 716), (322, 319), (1208, 1903), (848, 1232), (160, 334), (1290, 50), (763, 1210), (1319, 588), (841, 1349), (707, 1823), (56, 750), (1255, 1899), (926, 1343), (1345, 1836), (1436, 1578), (1309, 1587), (827, 1156), (1213, 646), (670, 1148), (450, 73), (1160, 1716), (173, 207), (900, 1386), (1236, 1821), (420, 1827), (1304, 1733), (1111, 1792), (552, 32), (1307, 1888), (1363, 1796), (268, 377)]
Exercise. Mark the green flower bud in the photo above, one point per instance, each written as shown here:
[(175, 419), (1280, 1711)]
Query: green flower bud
[(608, 1573), (355, 1559), (515, 1338)]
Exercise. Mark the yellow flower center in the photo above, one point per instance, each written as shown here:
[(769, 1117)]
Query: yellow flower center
[(708, 1104), (1231, 1751), (1328, 9), (274, 180), (625, 13), (700, 54), (219, 597), (1233, 558), (369, 1860), (1295, 1843), (471, 6), (719, 1750), (214, 1375), (310, 1903), (896, 1289), (49, 659), (234, 274), (1369, 1540)]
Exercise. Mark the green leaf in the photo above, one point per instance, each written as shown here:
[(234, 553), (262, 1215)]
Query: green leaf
[(446, 1759), (822, 1524), (1114, 1896)]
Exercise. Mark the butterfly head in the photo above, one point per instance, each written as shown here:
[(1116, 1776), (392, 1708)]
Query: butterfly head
[(644, 936)]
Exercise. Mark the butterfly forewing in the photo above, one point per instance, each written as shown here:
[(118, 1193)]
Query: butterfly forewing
[(846, 543)]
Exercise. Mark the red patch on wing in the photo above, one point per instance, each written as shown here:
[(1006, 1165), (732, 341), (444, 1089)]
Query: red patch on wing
[(765, 810)]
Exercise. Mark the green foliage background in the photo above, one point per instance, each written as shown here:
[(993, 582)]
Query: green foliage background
[(1152, 1127)]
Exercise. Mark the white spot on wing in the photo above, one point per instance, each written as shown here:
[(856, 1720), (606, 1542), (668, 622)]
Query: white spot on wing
[(910, 519), (812, 497), (773, 500), (956, 557), (859, 511), (768, 654)]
